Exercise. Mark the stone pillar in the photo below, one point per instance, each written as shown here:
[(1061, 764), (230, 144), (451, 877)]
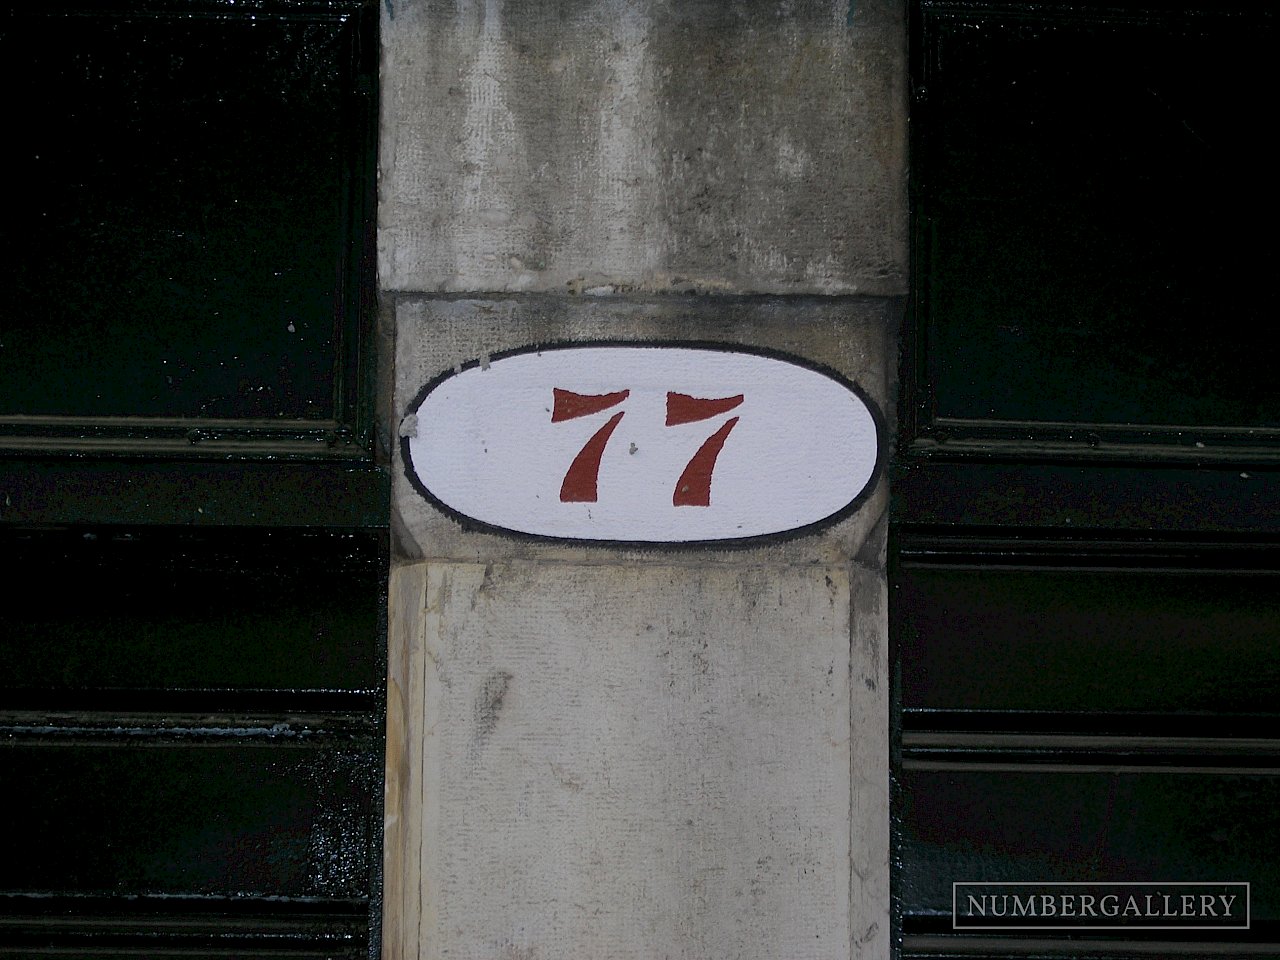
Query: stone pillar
[(603, 751)]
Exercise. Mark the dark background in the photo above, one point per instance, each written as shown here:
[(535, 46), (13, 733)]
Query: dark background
[(1084, 548), (193, 527)]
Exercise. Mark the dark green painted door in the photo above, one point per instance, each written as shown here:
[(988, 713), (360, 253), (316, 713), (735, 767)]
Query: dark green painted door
[(193, 514), (1085, 547)]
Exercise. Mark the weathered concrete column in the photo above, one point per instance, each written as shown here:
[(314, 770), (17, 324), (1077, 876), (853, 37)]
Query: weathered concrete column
[(604, 751)]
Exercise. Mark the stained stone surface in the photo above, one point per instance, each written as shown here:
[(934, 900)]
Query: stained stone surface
[(643, 145), (640, 762)]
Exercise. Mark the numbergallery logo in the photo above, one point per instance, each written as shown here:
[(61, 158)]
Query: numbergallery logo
[(1100, 906)]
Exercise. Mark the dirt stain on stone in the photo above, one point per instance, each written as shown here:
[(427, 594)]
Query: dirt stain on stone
[(493, 692)]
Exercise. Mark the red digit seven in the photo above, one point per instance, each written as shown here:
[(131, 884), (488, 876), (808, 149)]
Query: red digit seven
[(693, 489)]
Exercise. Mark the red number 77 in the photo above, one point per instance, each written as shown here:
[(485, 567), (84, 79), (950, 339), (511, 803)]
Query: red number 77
[(693, 489)]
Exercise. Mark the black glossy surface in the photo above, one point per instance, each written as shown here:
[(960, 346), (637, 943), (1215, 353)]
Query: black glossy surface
[(192, 699), (1235, 501), (1097, 641), (185, 234), (215, 613), (191, 741), (1083, 557), (145, 814), (965, 825), (115, 492), (1094, 196)]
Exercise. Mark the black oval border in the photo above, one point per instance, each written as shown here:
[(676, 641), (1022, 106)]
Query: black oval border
[(471, 525)]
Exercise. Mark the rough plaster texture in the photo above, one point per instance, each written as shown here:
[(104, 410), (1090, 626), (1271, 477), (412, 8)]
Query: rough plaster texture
[(639, 762), (850, 335), (648, 145)]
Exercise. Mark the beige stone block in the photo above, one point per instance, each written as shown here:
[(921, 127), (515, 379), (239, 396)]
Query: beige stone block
[(643, 145), (627, 761)]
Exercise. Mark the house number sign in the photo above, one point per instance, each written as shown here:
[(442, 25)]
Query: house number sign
[(642, 443)]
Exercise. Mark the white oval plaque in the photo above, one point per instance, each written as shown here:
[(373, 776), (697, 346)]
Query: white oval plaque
[(643, 443)]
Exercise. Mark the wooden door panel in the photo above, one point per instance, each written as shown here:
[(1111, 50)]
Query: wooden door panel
[(991, 820), (1083, 546), (163, 810), (187, 251), (1112, 631), (193, 521), (209, 618), (1089, 214)]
